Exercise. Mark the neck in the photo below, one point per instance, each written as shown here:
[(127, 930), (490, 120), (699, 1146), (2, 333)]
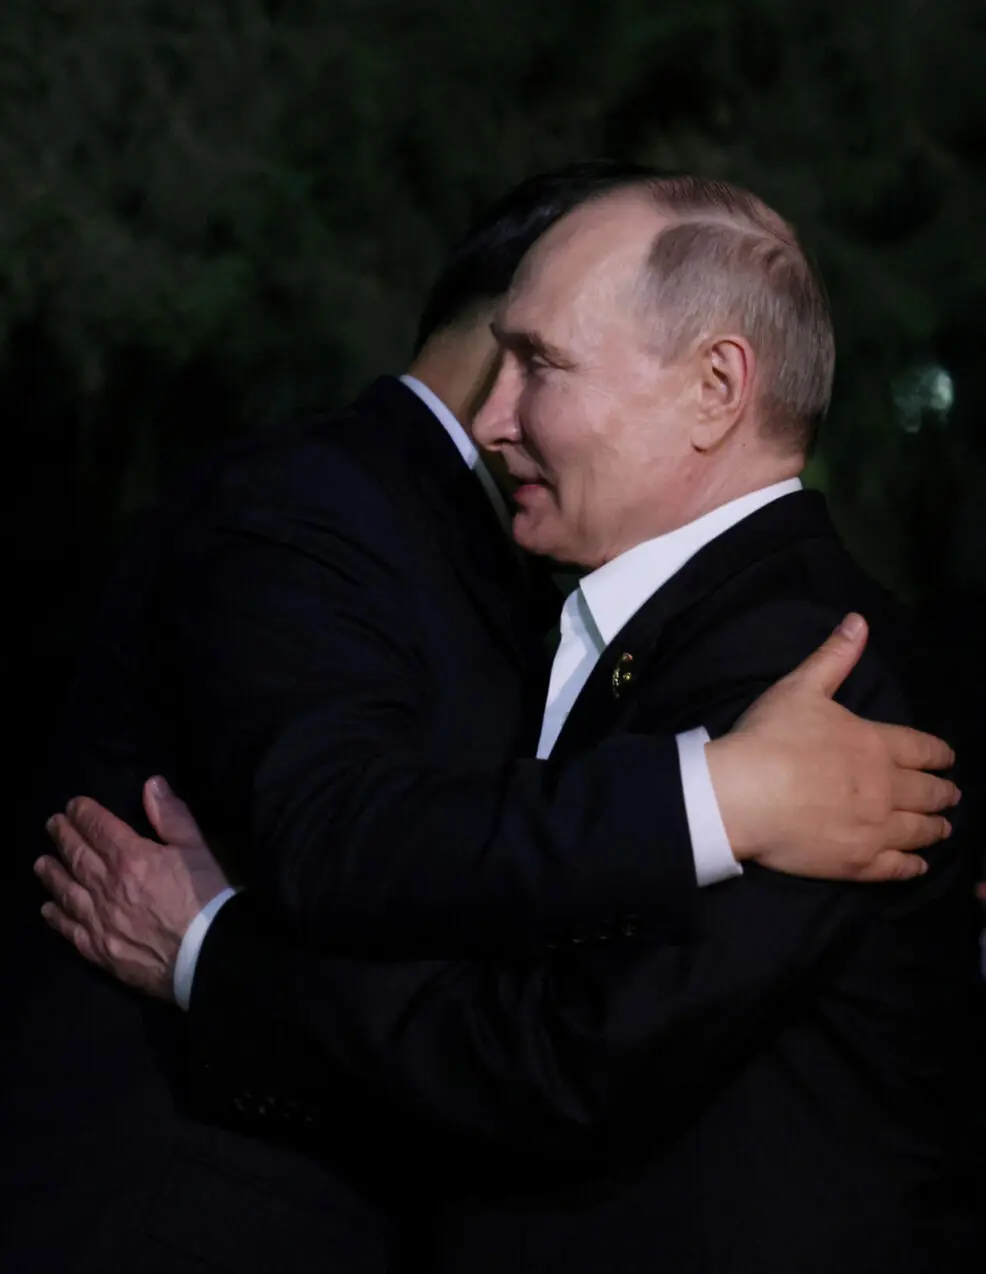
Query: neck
[(732, 482), (459, 370), (705, 493)]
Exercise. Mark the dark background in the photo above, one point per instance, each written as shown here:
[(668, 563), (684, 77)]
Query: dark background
[(216, 215)]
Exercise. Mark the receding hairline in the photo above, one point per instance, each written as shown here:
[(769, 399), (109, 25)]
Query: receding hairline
[(796, 399), (635, 193), (656, 195)]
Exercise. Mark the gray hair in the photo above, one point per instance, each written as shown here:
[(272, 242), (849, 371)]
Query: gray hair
[(728, 260)]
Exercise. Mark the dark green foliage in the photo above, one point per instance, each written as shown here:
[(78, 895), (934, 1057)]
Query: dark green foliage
[(217, 214)]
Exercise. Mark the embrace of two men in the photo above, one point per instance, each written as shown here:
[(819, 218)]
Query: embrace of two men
[(611, 953)]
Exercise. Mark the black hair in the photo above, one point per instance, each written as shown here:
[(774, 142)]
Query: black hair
[(480, 267)]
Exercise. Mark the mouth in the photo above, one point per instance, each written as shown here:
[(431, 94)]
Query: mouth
[(526, 478), (528, 490)]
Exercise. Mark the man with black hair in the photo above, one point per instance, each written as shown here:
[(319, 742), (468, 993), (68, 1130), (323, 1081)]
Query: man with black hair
[(327, 642), (480, 267)]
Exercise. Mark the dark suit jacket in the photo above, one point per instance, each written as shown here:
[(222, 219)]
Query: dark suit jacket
[(765, 1084), (327, 643)]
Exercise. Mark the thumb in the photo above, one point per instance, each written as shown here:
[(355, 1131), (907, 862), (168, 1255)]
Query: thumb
[(169, 815), (826, 668)]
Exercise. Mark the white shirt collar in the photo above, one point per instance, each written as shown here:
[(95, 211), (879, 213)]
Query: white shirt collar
[(616, 591), (465, 446)]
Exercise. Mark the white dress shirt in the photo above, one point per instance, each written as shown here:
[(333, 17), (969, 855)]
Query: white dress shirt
[(604, 601), (465, 446), (592, 616), (595, 612)]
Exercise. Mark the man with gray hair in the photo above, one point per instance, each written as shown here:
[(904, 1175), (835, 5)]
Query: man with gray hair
[(776, 1073), (758, 1080)]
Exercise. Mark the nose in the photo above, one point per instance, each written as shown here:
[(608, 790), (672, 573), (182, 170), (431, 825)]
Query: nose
[(497, 424)]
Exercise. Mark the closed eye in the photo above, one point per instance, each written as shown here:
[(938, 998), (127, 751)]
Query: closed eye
[(530, 349)]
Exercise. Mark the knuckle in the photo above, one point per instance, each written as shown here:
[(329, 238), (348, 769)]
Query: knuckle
[(889, 866), (83, 815), (83, 941), (859, 859), (857, 855), (117, 923), (138, 873), (72, 855), (914, 830)]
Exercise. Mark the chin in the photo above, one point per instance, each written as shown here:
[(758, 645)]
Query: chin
[(536, 538), (528, 532)]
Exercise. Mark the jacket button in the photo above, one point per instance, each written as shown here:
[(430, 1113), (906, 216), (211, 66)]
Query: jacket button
[(630, 926)]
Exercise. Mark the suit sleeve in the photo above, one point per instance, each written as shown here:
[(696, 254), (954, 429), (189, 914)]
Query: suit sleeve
[(552, 1054), (309, 741)]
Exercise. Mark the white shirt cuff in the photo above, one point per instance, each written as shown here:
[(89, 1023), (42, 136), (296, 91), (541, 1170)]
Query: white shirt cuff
[(191, 945), (714, 859)]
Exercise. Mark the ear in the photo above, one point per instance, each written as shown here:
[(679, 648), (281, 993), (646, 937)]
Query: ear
[(725, 368)]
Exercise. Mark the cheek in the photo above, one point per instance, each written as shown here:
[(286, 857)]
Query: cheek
[(563, 442), (552, 519), (554, 425), (539, 412)]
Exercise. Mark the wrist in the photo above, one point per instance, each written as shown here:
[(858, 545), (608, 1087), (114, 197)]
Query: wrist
[(743, 790), (193, 939)]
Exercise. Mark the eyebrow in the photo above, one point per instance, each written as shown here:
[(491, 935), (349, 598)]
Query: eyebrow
[(528, 345)]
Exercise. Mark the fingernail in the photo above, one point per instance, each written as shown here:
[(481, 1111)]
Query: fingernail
[(51, 824), (48, 910), (159, 786), (39, 867), (851, 626), (923, 867), (72, 807)]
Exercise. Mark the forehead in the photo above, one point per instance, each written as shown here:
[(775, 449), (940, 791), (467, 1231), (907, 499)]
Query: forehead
[(587, 259)]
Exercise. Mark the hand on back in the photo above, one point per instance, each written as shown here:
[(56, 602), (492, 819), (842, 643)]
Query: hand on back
[(810, 789)]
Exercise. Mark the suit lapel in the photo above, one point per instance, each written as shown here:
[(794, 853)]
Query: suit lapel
[(422, 470), (610, 694)]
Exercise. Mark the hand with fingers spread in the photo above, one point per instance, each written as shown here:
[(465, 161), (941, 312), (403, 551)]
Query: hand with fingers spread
[(808, 788), (125, 902), (804, 786)]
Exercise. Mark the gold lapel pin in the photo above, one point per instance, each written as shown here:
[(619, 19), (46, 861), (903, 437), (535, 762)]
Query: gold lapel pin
[(622, 674)]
